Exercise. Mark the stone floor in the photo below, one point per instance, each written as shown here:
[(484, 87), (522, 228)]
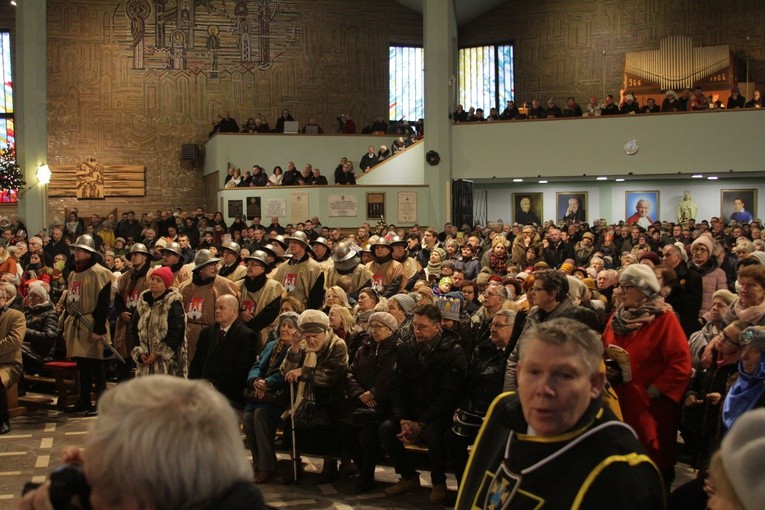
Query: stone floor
[(36, 440)]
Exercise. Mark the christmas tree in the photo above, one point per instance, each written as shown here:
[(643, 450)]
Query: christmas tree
[(10, 175)]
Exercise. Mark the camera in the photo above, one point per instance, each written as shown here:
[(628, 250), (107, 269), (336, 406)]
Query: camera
[(69, 490)]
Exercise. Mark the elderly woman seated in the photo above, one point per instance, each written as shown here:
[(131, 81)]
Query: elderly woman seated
[(42, 328), (317, 363), (265, 385)]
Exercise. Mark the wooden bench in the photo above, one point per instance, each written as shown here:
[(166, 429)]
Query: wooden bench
[(14, 409), (64, 376)]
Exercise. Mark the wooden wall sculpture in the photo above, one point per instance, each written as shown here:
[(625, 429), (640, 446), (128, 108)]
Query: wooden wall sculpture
[(92, 180)]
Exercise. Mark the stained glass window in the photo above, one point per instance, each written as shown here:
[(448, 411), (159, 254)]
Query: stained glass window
[(407, 83), (486, 76), (6, 101)]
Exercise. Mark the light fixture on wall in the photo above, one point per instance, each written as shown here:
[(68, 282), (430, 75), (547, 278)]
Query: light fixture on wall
[(43, 174), (43, 179), (620, 179), (542, 182), (602, 178), (13, 3), (517, 180), (712, 178), (697, 176)]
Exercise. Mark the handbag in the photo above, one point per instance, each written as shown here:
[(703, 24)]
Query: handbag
[(276, 396)]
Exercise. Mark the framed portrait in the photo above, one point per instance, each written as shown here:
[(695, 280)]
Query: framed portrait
[(642, 207), (571, 206), (528, 208), (739, 205)]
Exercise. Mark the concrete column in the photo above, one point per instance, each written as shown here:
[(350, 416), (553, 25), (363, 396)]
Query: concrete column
[(30, 108), (440, 56)]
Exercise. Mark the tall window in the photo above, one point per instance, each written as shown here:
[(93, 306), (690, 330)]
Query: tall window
[(407, 87), (6, 101), (486, 76)]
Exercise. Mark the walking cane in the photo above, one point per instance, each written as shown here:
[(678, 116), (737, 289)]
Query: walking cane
[(294, 441)]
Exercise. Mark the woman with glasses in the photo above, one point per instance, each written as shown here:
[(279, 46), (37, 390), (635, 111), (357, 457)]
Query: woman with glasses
[(654, 362)]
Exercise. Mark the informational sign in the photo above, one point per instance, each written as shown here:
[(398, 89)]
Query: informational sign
[(235, 208), (298, 207), (253, 207), (407, 207), (343, 206), (273, 207)]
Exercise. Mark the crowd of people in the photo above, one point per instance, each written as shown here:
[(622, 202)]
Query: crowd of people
[(626, 103), (345, 125), (359, 342), (345, 172)]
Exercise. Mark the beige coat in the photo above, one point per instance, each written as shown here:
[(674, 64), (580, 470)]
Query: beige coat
[(12, 329), (199, 304), (82, 296)]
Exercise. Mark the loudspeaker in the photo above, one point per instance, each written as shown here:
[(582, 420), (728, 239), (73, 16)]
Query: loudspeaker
[(462, 202), (190, 152)]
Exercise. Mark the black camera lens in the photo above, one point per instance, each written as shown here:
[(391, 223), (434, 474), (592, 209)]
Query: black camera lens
[(69, 490)]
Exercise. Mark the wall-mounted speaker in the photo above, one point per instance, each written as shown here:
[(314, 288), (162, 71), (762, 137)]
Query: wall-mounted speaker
[(462, 202), (190, 152)]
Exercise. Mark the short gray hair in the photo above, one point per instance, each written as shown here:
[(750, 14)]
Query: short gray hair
[(509, 315), (563, 331), (178, 439), (8, 289)]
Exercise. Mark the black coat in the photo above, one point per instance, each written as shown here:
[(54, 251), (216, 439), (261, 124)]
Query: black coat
[(486, 375), (225, 364), (428, 381), (42, 329), (371, 370)]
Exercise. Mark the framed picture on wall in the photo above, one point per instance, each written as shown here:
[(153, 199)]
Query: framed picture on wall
[(571, 206), (375, 206), (642, 207), (739, 205), (528, 208)]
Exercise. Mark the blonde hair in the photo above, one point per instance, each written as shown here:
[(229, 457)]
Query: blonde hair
[(346, 319), (340, 294)]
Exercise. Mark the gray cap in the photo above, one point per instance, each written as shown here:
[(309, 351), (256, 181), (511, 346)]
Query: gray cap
[(313, 321), (85, 242), (754, 336), (203, 258), (743, 456)]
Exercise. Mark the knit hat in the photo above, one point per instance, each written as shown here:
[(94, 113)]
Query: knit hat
[(446, 280), (441, 252), (589, 283), (385, 319), (313, 321), (166, 274), (576, 289), (641, 276), (727, 296), (754, 336), (653, 257), (588, 234), (591, 272), (541, 265), (522, 276), (743, 456), (567, 268), (290, 317), (683, 252), (482, 278), (703, 241), (37, 287), (404, 301), (760, 256)]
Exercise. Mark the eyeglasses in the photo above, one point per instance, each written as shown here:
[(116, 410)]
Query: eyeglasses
[(494, 325), (377, 326), (627, 288), (727, 340)]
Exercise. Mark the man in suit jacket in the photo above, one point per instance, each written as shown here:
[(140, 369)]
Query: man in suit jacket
[(225, 352)]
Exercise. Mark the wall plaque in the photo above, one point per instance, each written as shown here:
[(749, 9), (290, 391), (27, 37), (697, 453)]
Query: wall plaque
[(343, 206), (407, 207), (253, 207), (235, 208), (298, 207), (274, 207)]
